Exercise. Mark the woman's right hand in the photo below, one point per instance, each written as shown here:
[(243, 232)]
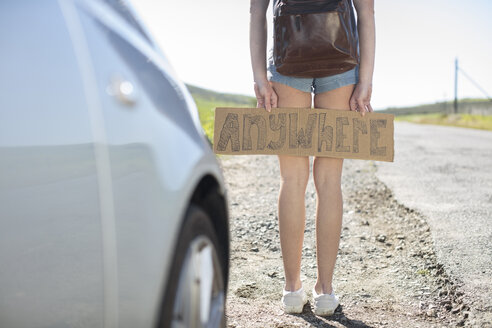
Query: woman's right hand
[(265, 95)]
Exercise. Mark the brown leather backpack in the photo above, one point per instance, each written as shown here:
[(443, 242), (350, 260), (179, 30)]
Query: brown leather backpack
[(314, 38)]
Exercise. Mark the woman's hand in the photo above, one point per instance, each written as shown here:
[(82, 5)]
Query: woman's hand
[(360, 101), (265, 95)]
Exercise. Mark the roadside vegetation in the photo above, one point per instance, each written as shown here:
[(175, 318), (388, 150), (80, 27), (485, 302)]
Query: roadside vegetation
[(437, 113), (482, 122), (207, 101), (465, 105), (472, 113)]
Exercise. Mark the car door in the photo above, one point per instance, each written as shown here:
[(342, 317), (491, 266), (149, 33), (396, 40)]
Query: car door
[(51, 245), (153, 146)]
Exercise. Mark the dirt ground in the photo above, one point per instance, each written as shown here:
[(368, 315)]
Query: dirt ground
[(386, 273)]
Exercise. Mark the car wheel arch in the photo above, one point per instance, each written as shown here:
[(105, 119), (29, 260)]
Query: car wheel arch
[(208, 196)]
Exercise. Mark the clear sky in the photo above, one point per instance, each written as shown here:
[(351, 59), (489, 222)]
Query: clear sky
[(416, 44)]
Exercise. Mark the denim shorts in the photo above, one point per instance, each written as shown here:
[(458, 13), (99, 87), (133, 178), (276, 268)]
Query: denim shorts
[(314, 85)]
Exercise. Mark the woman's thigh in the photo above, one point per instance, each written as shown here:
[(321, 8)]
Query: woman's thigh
[(327, 168), (291, 97), (334, 99), (293, 169)]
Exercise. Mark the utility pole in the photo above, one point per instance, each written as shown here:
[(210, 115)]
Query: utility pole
[(456, 85)]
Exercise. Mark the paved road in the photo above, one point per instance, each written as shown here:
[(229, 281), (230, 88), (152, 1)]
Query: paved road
[(446, 174)]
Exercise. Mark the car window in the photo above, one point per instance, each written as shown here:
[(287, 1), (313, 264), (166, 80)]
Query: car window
[(123, 8)]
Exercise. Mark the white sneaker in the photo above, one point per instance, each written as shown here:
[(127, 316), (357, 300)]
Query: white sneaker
[(325, 304), (293, 302)]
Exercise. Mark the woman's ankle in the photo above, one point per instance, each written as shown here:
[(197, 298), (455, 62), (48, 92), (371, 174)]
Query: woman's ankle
[(292, 286), (321, 288)]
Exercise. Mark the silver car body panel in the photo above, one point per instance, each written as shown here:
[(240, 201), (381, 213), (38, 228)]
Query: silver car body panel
[(93, 184)]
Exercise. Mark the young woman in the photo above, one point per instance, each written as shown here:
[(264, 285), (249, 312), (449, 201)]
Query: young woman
[(349, 91)]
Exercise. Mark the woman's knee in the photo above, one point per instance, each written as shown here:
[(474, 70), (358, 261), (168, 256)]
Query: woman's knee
[(294, 171), (327, 173), (295, 179)]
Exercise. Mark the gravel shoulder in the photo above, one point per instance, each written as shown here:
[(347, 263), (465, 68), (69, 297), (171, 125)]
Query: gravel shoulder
[(444, 172), (386, 274)]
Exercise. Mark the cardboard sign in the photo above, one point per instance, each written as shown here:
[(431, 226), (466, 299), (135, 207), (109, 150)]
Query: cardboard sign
[(304, 132)]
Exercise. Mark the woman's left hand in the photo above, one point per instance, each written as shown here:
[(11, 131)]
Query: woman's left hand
[(360, 101)]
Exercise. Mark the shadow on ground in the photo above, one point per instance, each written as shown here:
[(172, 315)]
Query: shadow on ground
[(339, 316)]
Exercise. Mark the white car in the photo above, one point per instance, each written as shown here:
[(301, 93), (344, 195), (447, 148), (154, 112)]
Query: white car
[(112, 205)]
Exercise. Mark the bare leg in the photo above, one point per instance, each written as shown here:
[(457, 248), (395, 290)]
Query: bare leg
[(294, 172), (327, 174)]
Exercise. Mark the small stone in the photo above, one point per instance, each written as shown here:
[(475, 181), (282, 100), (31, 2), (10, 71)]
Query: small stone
[(456, 310), (432, 312), (444, 302), (254, 249), (381, 238)]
